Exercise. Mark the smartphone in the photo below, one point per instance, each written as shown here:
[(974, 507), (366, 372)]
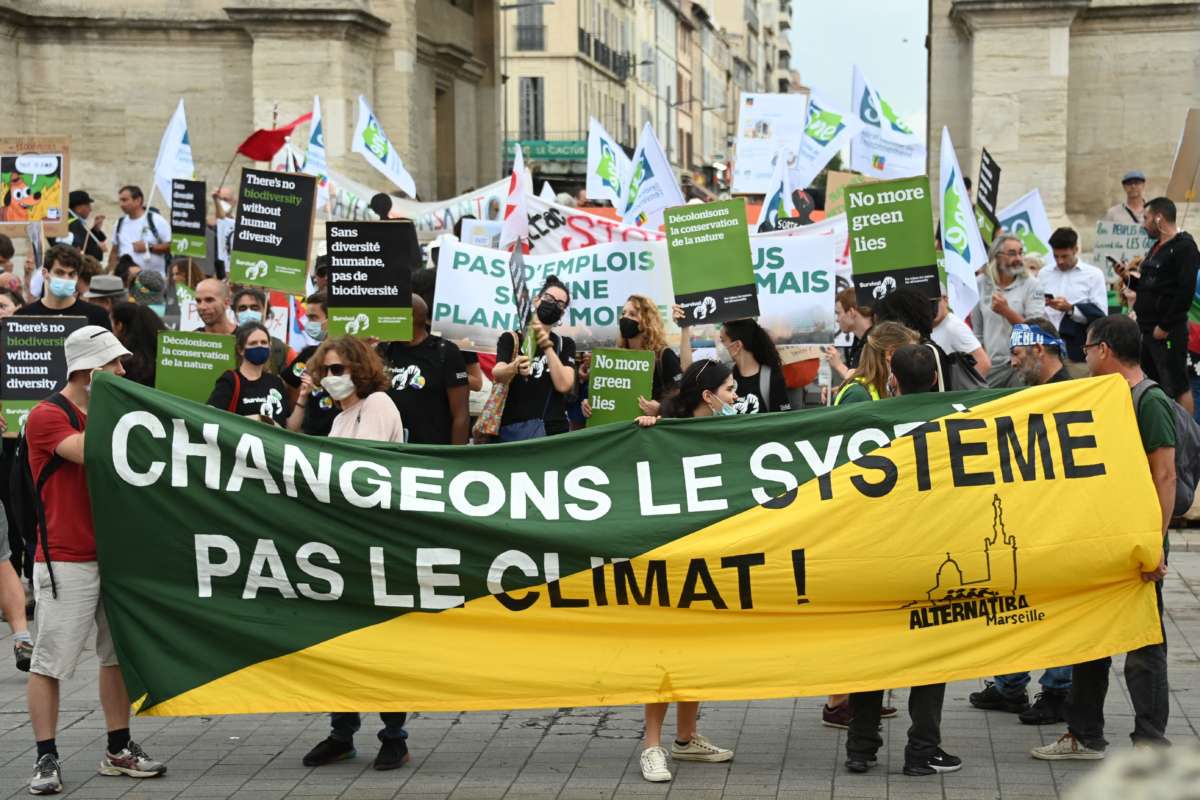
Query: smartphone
[(1112, 261), (1048, 297)]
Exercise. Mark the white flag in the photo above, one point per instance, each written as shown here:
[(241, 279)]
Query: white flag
[(516, 216), (962, 246), (885, 147), (314, 156), (1027, 219), (652, 186), (825, 133), (547, 192), (378, 150), (174, 154), (778, 201), (608, 168)]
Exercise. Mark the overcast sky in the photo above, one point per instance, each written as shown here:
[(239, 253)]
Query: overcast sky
[(886, 38)]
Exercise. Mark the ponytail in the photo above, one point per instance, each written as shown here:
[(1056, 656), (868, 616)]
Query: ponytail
[(755, 339)]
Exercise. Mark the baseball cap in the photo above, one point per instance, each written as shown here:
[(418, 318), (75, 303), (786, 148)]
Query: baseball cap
[(78, 198), (105, 286), (91, 347), (147, 288), (1134, 175)]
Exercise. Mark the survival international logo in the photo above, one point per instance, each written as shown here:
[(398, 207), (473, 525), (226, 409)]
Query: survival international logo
[(971, 587)]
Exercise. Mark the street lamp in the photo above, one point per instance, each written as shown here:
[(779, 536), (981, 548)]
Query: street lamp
[(504, 66)]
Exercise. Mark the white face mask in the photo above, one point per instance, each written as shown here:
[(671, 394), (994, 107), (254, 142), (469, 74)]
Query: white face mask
[(339, 387)]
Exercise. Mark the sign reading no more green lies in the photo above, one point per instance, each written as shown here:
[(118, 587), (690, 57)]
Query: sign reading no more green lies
[(189, 228), (370, 293), (891, 238), (273, 235), (615, 381), (190, 363), (711, 266)]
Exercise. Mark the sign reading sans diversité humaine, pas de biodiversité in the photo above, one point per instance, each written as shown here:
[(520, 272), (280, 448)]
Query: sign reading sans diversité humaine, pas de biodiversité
[(370, 293)]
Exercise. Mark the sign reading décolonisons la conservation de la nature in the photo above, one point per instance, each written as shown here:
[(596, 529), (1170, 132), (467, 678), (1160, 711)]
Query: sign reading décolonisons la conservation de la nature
[(273, 235), (701, 559), (711, 266)]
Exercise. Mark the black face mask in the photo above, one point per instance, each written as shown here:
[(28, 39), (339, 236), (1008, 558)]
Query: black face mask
[(629, 327), (548, 312)]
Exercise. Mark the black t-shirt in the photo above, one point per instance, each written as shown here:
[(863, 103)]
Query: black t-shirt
[(421, 375), (749, 392), (533, 396), (854, 352), (80, 308), (264, 396), (319, 408), (667, 372), (469, 356)]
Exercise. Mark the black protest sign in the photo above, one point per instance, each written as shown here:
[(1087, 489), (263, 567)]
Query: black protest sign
[(987, 191), (273, 234), (370, 292), (34, 364), (189, 228)]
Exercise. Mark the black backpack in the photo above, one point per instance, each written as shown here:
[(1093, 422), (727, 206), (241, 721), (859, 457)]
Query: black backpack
[(150, 212), (28, 510), (1187, 449)]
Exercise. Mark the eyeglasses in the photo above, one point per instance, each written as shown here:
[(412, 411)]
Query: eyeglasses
[(337, 370), (562, 304), (1086, 347), (1013, 253)]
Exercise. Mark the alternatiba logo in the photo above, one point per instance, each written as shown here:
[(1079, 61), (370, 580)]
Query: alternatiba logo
[(992, 596)]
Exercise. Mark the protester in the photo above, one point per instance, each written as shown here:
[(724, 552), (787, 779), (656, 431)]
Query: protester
[(321, 273), (538, 389), (956, 338), (914, 370), (149, 289), (1132, 211), (1165, 291), (1076, 294), (915, 311), (1037, 354), (869, 382), (88, 240), (212, 305), (136, 327), (10, 301), (7, 251), (707, 389), (142, 234), (428, 383), (186, 272), (757, 369), (854, 321), (640, 327), (424, 283), (252, 389), (250, 305), (88, 269), (60, 273), (106, 290), (12, 594), (1114, 347), (314, 409), (66, 575), (1007, 295), (126, 269)]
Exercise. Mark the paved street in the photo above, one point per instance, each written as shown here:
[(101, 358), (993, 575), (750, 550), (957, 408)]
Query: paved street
[(590, 753)]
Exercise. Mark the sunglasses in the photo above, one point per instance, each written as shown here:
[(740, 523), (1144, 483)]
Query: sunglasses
[(337, 370)]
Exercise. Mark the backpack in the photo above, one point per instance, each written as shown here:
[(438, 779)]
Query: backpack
[(1187, 449), (764, 386), (28, 510), (150, 212), (237, 392)]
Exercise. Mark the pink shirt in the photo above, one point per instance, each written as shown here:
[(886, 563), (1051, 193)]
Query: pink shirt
[(374, 418)]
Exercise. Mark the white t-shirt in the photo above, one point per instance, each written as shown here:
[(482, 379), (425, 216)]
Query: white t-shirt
[(953, 335), (130, 230)]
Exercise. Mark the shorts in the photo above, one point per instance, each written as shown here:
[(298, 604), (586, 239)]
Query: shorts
[(1165, 362), (5, 546), (64, 623)]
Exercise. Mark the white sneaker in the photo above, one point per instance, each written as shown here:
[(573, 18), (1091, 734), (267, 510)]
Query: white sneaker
[(700, 749), (1067, 747), (654, 765)]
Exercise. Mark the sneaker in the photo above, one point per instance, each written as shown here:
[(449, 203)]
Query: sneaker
[(860, 763), (328, 751), (992, 699), (887, 712), (654, 765), (1047, 709), (939, 762), (131, 761), (393, 754), (1066, 748), (47, 776), (23, 653), (699, 749), (836, 717)]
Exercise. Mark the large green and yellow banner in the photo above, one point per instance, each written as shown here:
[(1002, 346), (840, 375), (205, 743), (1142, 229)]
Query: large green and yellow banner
[(903, 542)]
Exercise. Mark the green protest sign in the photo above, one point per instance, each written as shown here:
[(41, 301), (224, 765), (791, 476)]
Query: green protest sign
[(615, 381), (189, 228), (711, 265), (273, 234), (369, 290), (190, 363), (891, 238), (34, 365)]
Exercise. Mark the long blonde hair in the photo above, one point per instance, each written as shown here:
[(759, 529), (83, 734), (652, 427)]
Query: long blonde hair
[(654, 335), (884, 337)]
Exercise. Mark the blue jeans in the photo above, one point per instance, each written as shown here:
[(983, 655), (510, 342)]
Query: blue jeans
[(1054, 679), (345, 724)]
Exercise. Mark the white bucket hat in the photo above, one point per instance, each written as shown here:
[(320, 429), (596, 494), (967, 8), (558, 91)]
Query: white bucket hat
[(91, 347)]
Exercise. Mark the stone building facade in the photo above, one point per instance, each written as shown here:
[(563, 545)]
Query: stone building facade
[(109, 75), (1067, 95)]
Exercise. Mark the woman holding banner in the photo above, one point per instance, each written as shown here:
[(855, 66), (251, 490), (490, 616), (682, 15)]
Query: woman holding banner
[(252, 390), (705, 390), (641, 328)]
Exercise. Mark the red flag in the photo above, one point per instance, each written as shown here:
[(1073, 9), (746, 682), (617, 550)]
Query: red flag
[(264, 143)]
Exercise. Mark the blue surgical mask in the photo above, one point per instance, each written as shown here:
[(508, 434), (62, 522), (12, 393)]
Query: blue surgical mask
[(727, 410), (258, 355), (62, 287), (314, 330), (249, 315)]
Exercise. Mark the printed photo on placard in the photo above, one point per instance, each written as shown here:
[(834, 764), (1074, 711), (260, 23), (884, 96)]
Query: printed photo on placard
[(33, 183)]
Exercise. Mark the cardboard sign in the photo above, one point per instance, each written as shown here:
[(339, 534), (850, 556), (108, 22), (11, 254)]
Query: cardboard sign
[(1184, 183), (835, 190), (190, 363), (1120, 241), (34, 365), (891, 238), (987, 191), (711, 266), (370, 293), (273, 236), (189, 226), (615, 381), (34, 172)]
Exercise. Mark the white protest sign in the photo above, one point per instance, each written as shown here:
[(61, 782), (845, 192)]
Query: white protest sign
[(554, 228), (797, 280), (767, 123), (1120, 241)]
